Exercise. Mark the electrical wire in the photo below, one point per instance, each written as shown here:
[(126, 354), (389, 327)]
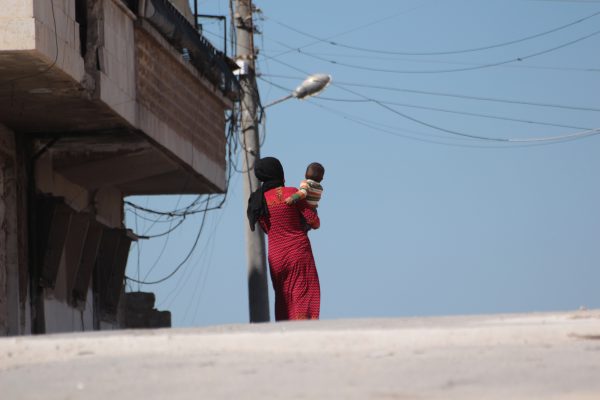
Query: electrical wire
[(570, 136), (171, 229), (205, 260), (360, 27), (557, 138), (324, 98), (453, 95), (379, 127), (469, 97), (470, 114), (391, 88), (449, 62), (178, 267), (441, 71), (159, 220), (191, 209), (434, 53), (166, 242)]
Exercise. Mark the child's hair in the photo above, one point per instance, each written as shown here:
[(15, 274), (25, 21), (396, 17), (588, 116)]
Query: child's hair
[(315, 171)]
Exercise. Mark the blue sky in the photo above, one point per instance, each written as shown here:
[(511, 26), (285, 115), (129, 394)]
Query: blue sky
[(415, 221)]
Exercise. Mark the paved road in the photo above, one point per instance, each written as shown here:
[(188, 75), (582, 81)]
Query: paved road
[(523, 356)]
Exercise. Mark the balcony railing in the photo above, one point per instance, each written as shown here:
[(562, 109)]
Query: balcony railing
[(181, 34)]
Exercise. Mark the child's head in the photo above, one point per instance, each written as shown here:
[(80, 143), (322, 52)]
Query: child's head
[(315, 171)]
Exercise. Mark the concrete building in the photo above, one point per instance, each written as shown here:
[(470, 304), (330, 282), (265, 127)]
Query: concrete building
[(97, 102)]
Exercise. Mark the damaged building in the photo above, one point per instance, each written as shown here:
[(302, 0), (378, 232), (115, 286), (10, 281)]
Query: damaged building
[(99, 99)]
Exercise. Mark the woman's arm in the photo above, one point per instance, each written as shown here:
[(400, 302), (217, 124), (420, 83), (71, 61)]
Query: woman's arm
[(309, 214)]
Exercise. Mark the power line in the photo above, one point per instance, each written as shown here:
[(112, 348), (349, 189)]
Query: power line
[(452, 95), (440, 71), (178, 267), (435, 53), (171, 229), (434, 61), (404, 133), (557, 138), (468, 97), (231, 139), (471, 114), (574, 135), (407, 11), (570, 136)]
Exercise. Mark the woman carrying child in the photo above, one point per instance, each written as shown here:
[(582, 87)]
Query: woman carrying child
[(291, 262)]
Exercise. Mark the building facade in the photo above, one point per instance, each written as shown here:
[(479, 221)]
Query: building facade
[(99, 99)]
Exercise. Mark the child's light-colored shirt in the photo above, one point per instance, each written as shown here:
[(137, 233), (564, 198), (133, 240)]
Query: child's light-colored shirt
[(309, 190)]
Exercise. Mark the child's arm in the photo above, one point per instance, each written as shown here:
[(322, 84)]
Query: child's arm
[(299, 195)]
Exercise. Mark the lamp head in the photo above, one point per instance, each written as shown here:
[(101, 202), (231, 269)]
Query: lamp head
[(312, 86)]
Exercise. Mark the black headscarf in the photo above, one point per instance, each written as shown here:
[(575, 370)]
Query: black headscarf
[(269, 171)]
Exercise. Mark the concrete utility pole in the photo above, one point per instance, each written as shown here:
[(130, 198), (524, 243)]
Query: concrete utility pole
[(258, 294)]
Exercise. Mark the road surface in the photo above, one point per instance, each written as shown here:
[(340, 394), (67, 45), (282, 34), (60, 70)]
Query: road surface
[(546, 356)]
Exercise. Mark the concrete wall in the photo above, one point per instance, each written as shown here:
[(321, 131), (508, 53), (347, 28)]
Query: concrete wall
[(18, 25), (164, 107), (106, 203), (13, 310), (61, 317), (55, 22), (7, 225), (117, 62), (176, 106)]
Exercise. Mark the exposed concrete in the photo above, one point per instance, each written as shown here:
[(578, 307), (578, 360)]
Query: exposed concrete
[(55, 25), (138, 312), (47, 87), (60, 317), (18, 25), (50, 182), (108, 203), (88, 121), (518, 357), (117, 75), (10, 309)]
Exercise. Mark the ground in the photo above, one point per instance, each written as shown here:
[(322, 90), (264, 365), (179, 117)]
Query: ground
[(521, 356)]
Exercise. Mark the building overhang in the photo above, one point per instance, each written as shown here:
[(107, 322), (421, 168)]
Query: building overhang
[(107, 128)]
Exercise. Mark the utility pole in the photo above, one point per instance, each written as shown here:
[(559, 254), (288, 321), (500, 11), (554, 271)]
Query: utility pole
[(258, 294)]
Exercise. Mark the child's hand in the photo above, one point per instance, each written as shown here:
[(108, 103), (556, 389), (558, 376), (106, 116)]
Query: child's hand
[(289, 201)]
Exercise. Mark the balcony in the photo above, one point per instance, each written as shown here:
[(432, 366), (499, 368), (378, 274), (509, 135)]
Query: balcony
[(105, 82)]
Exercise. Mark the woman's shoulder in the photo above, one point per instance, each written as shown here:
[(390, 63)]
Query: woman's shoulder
[(288, 191), (281, 190), (279, 194)]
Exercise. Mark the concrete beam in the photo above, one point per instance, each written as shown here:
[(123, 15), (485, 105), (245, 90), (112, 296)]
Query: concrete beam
[(117, 171)]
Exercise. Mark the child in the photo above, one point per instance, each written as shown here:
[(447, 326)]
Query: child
[(310, 188)]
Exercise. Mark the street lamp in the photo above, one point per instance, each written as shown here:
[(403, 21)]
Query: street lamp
[(312, 86)]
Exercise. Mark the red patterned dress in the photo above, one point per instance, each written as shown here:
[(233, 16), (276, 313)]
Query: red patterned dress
[(293, 270)]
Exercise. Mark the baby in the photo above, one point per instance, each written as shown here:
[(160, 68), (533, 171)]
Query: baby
[(310, 188)]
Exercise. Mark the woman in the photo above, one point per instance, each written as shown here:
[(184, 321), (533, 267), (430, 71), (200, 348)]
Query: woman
[(291, 262)]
